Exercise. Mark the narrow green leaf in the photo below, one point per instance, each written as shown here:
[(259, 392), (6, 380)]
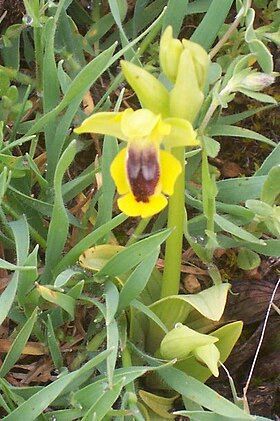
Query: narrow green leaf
[(54, 345), (238, 190), (272, 160), (35, 405), (271, 186), (104, 403), (174, 15), (18, 344), (58, 229), (58, 298), (7, 297), (132, 255), (202, 394), (72, 256), (227, 130), (207, 30), (137, 281), (236, 230)]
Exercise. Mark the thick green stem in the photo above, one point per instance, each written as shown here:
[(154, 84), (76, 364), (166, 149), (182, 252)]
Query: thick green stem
[(173, 251)]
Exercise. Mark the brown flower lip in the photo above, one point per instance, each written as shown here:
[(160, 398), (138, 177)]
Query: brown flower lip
[(143, 172)]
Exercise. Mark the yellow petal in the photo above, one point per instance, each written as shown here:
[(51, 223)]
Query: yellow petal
[(161, 130), (170, 168), (118, 172), (138, 124), (103, 123), (131, 207), (155, 205), (181, 133)]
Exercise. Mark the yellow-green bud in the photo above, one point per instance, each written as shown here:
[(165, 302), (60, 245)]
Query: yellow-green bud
[(186, 97), (180, 341), (170, 50), (200, 60), (151, 93)]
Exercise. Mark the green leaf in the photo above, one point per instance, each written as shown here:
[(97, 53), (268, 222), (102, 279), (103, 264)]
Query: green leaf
[(4, 83), (271, 187), (259, 96), (212, 146), (112, 301), (35, 405), (132, 255), (259, 207), (7, 297), (202, 394), (18, 344), (159, 404), (264, 57), (58, 228), (174, 15), (53, 345), (237, 190), (236, 230), (235, 131), (207, 31), (104, 402), (21, 235), (210, 303), (72, 256), (95, 258), (137, 281), (247, 259), (58, 298), (272, 160), (228, 336), (87, 395)]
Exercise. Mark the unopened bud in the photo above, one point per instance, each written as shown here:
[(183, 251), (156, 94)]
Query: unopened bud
[(170, 50), (151, 93), (257, 81), (186, 97)]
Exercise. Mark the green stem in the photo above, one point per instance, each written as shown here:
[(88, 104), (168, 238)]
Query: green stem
[(173, 251), (138, 231)]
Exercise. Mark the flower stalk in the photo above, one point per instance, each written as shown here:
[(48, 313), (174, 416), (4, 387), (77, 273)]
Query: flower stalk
[(174, 243)]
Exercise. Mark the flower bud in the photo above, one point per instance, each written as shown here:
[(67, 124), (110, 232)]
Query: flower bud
[(170, 50), (186, 97), (200, 60), (151, 93), (180, 341), (257, 81)]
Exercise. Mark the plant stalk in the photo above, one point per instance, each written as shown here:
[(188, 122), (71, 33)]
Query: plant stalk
[(173, 251)]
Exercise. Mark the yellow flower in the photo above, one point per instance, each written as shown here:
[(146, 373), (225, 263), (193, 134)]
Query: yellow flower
[(143, 173)]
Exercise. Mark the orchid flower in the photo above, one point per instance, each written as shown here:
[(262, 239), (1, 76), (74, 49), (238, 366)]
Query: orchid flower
[(143, 172)]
